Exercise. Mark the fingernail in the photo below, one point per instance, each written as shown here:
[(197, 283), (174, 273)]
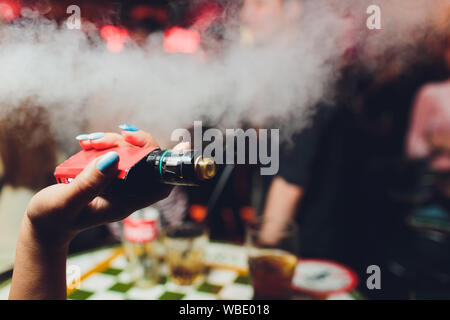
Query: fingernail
[(82, 137), (96, 135), (128, 127), (107, 161)]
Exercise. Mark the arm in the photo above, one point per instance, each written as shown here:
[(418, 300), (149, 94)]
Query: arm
[(280, 208), (429, 132), (296, 167), (40, 270), (57, 213)]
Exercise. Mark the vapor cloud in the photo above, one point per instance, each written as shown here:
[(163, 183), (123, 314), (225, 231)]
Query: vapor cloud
[(71, 73)]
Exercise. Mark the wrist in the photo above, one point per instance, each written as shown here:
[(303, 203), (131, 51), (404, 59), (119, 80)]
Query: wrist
[(39, 267), (275, 221), (33, 236)]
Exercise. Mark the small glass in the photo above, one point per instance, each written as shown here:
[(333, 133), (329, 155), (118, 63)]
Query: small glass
[(185, 252), (141, 244), (272, 264)]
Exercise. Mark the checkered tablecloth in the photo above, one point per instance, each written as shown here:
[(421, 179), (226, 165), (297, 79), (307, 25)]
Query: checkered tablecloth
[(226, 282), (227, 278)]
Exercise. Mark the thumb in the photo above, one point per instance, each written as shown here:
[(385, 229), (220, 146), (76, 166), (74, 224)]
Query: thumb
[(92, 180)]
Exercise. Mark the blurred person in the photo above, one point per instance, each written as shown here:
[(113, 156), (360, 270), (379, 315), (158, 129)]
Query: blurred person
[(429, 131), (421, 258), (335, 180), (429, 134), (28, 155), (264, 21), (303, 191), (56, 214), (377, 108)]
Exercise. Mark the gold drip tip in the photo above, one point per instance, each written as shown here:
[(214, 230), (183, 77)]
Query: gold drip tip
[(205, 168)]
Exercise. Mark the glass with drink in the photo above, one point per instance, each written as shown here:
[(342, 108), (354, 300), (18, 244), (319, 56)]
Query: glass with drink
[(272, 262), (140, 241), (185, 251)]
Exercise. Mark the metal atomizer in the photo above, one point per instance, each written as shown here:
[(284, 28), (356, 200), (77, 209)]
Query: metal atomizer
[(181, 168)]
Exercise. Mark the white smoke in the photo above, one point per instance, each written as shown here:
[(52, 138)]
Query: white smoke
[(77, 79), (404, 26)]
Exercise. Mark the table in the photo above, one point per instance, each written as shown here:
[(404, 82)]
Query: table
[(104, 277)]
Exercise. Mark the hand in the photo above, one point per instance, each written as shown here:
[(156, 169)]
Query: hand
[(57, 213)]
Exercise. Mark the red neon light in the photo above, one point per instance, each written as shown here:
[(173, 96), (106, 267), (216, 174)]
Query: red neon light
[(9, 10), (182, 40), (115, 37)]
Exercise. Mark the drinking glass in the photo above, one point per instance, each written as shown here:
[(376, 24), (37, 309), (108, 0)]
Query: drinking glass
[(185, 252), (272, 262)]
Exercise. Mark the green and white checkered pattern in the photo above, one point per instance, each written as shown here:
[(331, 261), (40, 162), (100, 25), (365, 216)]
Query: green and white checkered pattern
[(114, 283)]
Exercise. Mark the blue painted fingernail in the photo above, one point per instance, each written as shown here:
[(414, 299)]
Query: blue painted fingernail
[(96, 135), (107, 161), (82, 137), (128, 127)]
